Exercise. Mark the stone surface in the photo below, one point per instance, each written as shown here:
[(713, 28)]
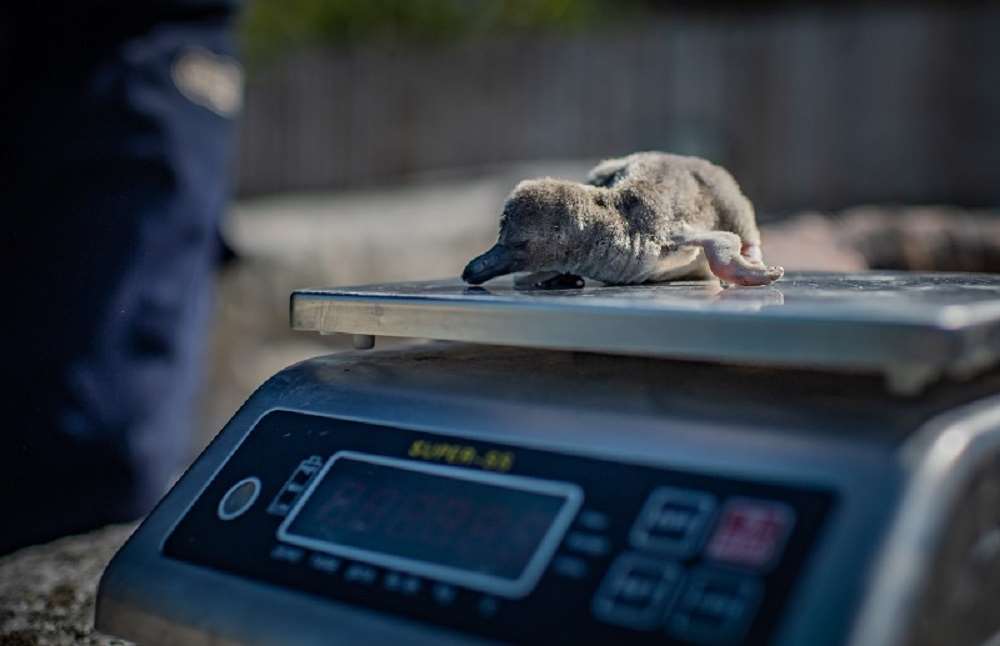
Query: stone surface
[(47, 591)]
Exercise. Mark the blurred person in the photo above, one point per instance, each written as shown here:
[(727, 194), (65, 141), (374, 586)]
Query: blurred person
[(116, 130)]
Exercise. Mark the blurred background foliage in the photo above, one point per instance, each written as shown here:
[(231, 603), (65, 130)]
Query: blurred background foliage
[(817, 104), (273, 27)]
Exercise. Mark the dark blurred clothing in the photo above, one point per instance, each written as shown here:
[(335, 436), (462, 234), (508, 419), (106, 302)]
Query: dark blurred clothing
[(114, 182)]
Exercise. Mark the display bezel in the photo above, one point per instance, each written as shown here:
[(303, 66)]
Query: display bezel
[(571, 493)]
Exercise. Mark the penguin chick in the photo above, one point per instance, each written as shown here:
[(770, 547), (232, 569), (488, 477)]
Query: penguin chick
[(647, 217)]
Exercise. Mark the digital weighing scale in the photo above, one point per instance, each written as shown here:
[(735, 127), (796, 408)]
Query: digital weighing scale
[(817, 462)]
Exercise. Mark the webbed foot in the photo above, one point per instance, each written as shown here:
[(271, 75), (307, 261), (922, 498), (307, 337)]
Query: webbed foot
[(549, 280), (730, 260)]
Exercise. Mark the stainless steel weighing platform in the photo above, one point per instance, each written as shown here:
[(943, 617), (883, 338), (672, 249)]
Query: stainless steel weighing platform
[(817, 462)]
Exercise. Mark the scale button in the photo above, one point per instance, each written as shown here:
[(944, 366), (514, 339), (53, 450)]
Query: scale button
[(569, 566), (240, 497), (751, 533), (673, 521), (590, 544), (593, 520), (715, 607), (636, 591)]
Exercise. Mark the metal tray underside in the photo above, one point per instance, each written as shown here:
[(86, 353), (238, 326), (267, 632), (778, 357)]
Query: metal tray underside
[(913, 327)]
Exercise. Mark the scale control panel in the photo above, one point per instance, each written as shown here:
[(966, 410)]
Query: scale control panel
[(507, 542)]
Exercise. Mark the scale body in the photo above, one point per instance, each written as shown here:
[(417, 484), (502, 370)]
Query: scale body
[(599, 474)]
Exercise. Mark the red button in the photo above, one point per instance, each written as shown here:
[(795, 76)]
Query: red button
[(751, 533)]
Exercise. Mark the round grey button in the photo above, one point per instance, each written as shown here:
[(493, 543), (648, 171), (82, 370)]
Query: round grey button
[(240, 497)]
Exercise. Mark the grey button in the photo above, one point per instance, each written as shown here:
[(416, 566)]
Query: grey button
[(240, 497), (593, 520), (569, 566), (590, 544), (715, 607), (636, 591), (673, 522)]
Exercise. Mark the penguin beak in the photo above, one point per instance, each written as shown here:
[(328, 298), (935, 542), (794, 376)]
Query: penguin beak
[(496, 262)]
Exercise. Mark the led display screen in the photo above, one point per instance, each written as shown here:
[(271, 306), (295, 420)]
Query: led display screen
[(488, 531)]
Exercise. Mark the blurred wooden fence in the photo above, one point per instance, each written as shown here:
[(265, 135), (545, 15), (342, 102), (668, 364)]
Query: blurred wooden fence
[(818, 107)]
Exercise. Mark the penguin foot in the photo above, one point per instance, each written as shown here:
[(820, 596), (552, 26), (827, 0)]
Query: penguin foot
[(549, 280), (730, 260)]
